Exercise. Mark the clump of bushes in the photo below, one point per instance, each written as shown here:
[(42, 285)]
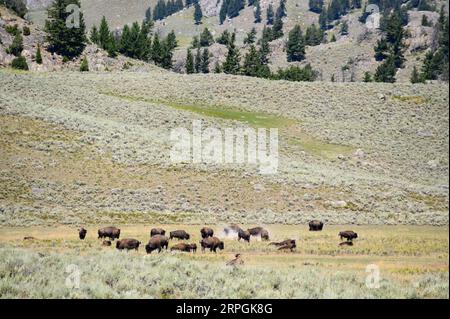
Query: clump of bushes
[(26, 31), (84, 67), (19, 63)]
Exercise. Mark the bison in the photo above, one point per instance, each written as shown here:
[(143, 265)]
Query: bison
[(236, 261), (128, 244), (157, 242), (157, 231), (185, 247), (82, 233), (110, 232), (206, 232), (283, 243), (180, 234), (106, 243), (244, 234), (212, 243), (348, 234), (291, 246), (315, 225), (259, 231)]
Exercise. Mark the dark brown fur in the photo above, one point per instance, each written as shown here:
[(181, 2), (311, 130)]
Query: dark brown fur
[(82, 233), (206, 232), (180, 234), (157, 231), (315, 225), (157, 242), (348, 234), (212, 243), (110, 232), (128, 244), (244, 234)]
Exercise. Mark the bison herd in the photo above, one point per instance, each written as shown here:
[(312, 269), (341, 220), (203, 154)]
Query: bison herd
[(159, 241)]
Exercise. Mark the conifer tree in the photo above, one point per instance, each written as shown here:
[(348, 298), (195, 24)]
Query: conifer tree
[(367, 77), (316, 6), (295, 47), (206, 38), (38, 54), (190, 63), (64, 40), (205, 61), (277, 30), (281, 11), (84, 67), (16, 46), (270, 15), (231, 64), (251, 37), (198, 15), (171, 41), (416, 77), (251, 63), (198, 61), (386, 71), (104, 33), (257, 12), (94, 36)]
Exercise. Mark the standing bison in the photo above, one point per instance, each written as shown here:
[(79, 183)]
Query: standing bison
[(180, 234), (82, 233), (128, 244), (259, 231), (110, 232), (212, 243), (315, 225), (348, 234), (244, 234), (157, 242), (157, 231), (206, 232)]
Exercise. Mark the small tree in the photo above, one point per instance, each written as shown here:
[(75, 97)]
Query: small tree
[(198, 15), (295, 47), (189, 63), (231, 65), (94, 36), (257, 12), (205, 61), (38, 54), (277, 30), (251, 37), (19, 63), (26, 31), (416, 77), (16, 46), (386, 71), (344, 28), (206, 38), (270, 14), (367, 77), (84, 67), (198, 61)]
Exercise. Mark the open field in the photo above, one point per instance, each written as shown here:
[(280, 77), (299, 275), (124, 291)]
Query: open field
[(412, 260)]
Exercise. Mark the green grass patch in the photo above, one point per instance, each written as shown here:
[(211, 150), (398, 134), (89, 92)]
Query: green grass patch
[(256, 119), (317, 147), (415, 99)]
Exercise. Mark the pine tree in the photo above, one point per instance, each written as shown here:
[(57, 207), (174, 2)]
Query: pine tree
[(257, 12), (367, 77), (157, 50), (225, 38), (313, 35), (198, 61), (38, 54), (206, 38), (171, 41), (264, 51), (223, 11), (104, 33), (252, 62), (94, 36), (295, 47), (231, 65), (251, 37), (198, 15), (281, 11), (148, 14), (19, 63), (316, 6), (64, 40), (344, 28), (16, 46), (217, 68), (323, 19), (190, 63), (205, 61), (381, 49), (84, 67), (270, 15), (277, 30), (416, 77), (386, 71)]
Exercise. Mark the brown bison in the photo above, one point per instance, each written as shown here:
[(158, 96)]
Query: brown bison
[(110, 232), (82, 233), (291, 246), (157, 231), (212, 243), (283, 243), (106, 243), (157, 242), (180, 234), (128, 244), (244, 234), (206, 232), (348, 234), (315, 225), (184, 247), (259, 231), (346, 243)]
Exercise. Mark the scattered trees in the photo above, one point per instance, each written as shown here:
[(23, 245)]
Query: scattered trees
[(295, 47)]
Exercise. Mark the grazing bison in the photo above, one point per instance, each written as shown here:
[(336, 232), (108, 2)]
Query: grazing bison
[(106, 243), (259, 231), (315, 225), (157, 242), (110, 232), (157, 231), (206, 232), (283, 243), (185, 247), (212, 243), (128, 244), (180, 234), (82, 233), (348, 234), (346, 243), (244, 234)]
